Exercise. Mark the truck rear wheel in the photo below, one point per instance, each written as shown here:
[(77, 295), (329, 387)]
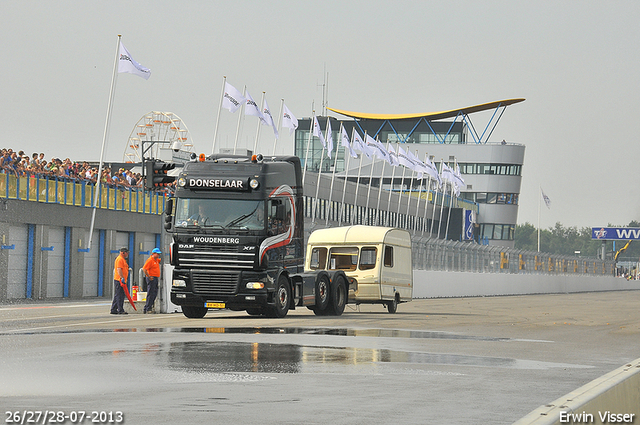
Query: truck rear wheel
[(323, 295), (193, 312), (281, 299), (338, 295)]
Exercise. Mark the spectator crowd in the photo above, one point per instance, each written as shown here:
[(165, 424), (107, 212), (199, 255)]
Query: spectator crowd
[(21, 164)]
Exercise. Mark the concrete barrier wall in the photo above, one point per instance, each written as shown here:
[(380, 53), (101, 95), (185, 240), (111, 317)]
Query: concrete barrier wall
[(441, 284), (616, 393)]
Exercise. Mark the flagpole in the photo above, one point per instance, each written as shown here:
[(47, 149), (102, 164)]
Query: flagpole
[(435, 200), (355, 200), (215, 132), (419, 195), (446, 230), (306, 155), (279, 127), (444, 193), (315, 200), (333, 175), (369, 190), (426, 201), (393, 175), (380, 188), (255, 144), (410, 191), (105, 135), (235, 145), (344, 186), (540, 196), (401, 192)]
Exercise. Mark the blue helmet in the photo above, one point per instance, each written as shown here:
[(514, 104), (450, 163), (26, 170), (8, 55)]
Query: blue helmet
[(156, 251)]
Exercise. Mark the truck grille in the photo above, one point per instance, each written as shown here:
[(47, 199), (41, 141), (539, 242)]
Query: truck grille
[(217, 258), (214, 284)]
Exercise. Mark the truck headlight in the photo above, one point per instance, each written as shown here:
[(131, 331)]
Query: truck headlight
[(179, 283), (182, 182), (254, 183), (255, 285)]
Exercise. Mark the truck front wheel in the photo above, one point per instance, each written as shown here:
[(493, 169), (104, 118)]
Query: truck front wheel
[(194, 312), (282, 298)]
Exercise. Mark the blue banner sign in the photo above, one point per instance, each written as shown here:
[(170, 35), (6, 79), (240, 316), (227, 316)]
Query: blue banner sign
[(469, 222), (615, 233)]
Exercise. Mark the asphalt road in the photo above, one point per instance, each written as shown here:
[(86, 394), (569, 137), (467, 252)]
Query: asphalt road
[(464, 360)]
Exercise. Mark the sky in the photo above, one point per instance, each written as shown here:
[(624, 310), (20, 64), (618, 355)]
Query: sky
[(575, 62)]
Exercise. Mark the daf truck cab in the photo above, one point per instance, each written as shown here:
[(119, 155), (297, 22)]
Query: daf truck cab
[(237, 240)]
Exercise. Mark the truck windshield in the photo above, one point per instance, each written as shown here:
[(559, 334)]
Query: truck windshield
[(219, 214)]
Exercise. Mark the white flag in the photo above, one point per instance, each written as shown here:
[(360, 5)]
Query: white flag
[(232, 98), (127, 64), (267, 118), (344, 141), (359, 144), (393, 156), (377, 148), (447, 173), (404, 159), (317, 132), (288, 119), (252, 108), (458, 177), (329, 138), (547, 201)]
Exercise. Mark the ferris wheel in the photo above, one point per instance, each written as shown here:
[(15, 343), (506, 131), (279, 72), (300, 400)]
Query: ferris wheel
[(157, 133)]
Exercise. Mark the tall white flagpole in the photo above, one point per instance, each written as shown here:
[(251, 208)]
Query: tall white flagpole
[(404, 168), (306, 155), (413, 172), (346, 174), (418, 202), (279, 127), (255, 144), (539, 196), (333, 175), (235, 145), (355, 200), (435, 199), (444, 193), (315, 200), (384, 163), (393, 176), (426, 208), (446, 231), (105, 136), (369, 191), (215, 132), (424, 218)]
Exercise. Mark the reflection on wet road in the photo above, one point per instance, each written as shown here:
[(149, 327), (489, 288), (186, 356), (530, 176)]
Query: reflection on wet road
[(237, 357)]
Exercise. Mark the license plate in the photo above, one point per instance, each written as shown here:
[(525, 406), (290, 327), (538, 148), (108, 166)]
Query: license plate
[(214, 305)]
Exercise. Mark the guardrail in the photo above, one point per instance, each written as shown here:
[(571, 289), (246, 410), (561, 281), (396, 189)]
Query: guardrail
[(66, 191), (438, 254)]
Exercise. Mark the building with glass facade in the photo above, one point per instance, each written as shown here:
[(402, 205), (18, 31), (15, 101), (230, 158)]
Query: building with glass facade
[(492, 170)]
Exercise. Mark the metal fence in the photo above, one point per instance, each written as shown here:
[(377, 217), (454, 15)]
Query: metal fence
[(438, 254), (66, 191)]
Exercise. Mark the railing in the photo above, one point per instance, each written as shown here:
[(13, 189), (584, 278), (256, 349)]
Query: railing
[(438, 254), (67, 191)]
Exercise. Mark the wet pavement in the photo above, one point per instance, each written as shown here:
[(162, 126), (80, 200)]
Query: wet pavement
[(488, 360)]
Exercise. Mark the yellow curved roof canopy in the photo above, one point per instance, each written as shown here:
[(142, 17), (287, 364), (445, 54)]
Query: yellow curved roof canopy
[(430, 115)]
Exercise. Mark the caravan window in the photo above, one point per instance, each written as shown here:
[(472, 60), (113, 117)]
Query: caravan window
[(368, 258), (388, 256), (318, 259), (343, 258)]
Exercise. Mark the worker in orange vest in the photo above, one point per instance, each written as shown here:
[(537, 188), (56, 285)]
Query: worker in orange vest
[(152, 274)]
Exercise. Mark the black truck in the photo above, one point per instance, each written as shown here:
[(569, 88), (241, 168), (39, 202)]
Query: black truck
[(237, 227)]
